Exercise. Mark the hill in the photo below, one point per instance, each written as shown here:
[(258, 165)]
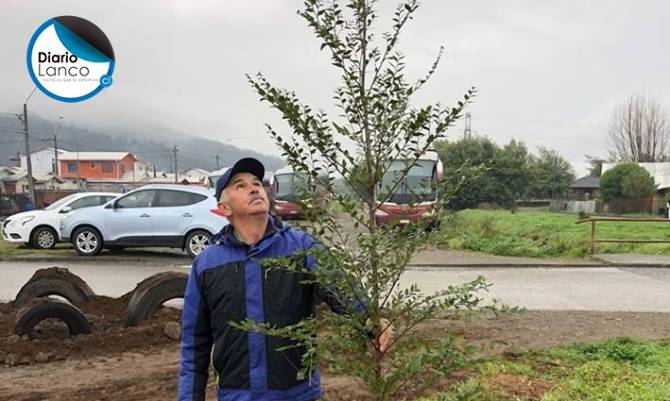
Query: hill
[(193, 151)]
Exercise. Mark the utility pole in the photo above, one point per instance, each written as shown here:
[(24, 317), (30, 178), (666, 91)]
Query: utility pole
[(56, 149), (78, 173), (171, 161), (54, 165), (217, 161), (55, 155), (176, 169), (29, 164)]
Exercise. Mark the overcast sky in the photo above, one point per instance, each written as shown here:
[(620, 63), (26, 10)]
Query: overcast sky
[(548, 73)]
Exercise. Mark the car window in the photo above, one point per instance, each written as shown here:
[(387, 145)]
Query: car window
[(107, 199), (87, 201), (60, 202), (137, 199), (169, 198)]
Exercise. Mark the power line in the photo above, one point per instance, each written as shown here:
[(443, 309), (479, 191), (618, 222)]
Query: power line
[(151, 152), (12, 131)]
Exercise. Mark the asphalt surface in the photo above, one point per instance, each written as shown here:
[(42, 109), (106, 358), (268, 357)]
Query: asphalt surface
[(537, 288), (561, 288)]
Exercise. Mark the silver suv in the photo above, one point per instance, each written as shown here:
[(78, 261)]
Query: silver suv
[(175, 216)]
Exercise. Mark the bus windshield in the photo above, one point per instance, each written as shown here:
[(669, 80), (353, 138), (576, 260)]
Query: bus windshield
[(290, 186), (415, 187)]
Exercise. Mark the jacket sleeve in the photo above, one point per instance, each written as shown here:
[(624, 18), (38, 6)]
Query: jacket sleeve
[(196, 341), (337, 302)]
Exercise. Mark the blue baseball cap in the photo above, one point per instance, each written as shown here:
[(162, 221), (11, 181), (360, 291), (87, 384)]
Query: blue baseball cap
[(245, 165)]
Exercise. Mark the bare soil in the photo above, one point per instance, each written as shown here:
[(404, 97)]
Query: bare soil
[(140, 363), (108, 337)]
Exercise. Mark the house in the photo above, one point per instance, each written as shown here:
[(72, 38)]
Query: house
[(15, 162), (5, 172), (8, 178), (194, 176), (96, 165), (586, 188), (43, 161), (18, 182), (160, 177), (142, 169)]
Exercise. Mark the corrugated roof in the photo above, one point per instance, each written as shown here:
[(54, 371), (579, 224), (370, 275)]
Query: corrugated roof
[(94, 156), (196, 170), (587, 182), (37, 177)]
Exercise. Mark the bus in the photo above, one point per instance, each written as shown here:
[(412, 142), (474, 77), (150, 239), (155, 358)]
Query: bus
[(414, 197), (291, 189)]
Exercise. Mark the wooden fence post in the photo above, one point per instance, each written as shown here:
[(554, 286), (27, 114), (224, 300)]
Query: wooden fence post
[(592, 245)]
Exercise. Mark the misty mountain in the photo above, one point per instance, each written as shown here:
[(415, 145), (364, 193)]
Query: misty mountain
[(152, 148)]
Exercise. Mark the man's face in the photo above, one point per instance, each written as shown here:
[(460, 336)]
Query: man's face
[(244, 196)]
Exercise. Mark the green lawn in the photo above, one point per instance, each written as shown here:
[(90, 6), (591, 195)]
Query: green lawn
[(543, 234), (8, 249), (614, 370)]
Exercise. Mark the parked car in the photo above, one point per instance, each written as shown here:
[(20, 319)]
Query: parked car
[(174, 216), (291, 189), (40, 228)]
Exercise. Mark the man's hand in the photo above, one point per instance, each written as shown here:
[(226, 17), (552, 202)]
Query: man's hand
[(384, 337)]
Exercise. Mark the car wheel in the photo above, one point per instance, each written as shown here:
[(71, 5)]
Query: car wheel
[(43, 238), (87, 241), (196, 242)]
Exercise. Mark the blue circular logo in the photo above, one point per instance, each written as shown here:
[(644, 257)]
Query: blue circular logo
[(70, 59), (105, 80)]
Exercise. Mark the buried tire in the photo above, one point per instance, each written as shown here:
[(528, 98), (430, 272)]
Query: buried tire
[(41, 309), (54, 281), (151, 293)]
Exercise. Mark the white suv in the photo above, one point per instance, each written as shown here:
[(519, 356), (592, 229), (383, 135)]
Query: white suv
[(39, 228), (174, 216)]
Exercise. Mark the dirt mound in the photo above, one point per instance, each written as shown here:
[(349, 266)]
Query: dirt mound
[(55, 271), (108, 337)]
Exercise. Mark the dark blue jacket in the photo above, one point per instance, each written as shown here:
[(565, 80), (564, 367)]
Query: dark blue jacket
[(227, 283)]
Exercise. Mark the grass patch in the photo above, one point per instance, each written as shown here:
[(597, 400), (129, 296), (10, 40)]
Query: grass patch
[(613, 370), (543, 234), (10, 249)]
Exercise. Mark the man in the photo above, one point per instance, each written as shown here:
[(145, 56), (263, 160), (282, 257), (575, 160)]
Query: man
[(228, 283)]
